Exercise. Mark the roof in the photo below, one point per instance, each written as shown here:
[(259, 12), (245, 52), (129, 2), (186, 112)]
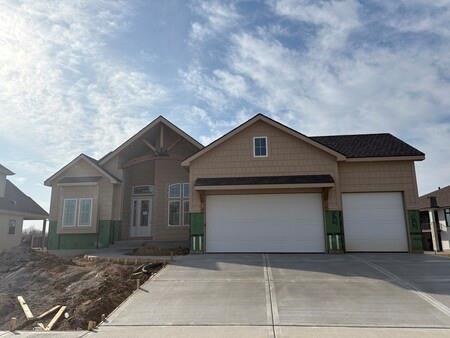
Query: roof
[(368, 145), (85, 179), (257, 180), (442, 198), (16, 201), (89, 160), (136, 136), (5, 171), (276, 124)]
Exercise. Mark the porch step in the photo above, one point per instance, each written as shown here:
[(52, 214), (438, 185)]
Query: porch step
[(135, 243)]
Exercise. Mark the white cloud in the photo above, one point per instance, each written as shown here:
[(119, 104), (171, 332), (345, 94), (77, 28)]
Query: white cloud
[(335, 19), (333, 86), (217, 17), (61, 92)]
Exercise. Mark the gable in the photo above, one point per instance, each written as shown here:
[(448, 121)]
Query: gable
[(151, 135), (81, 166), (287, 154), (275, 125)]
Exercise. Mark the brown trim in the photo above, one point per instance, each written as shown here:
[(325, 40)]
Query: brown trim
[(384, 159), (264, 186)]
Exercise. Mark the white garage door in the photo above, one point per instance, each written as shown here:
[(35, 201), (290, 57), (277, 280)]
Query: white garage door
[(374, 222), (264, 223)]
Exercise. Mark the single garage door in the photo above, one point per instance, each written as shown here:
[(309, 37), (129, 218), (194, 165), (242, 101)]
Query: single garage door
[(374, 222), (265, 223)]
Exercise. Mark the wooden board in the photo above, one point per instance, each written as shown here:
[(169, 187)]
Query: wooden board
[(25, 308)]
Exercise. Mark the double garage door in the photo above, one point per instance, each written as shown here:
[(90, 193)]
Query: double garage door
[(294, 223)]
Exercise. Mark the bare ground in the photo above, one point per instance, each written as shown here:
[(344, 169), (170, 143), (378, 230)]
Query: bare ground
[(88, 288)]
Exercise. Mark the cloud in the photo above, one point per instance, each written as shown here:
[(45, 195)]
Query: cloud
[(62, 92), (346, 79), (215, 17)]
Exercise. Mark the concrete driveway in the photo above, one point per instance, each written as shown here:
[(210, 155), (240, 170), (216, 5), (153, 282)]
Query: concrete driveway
[(286, 295)]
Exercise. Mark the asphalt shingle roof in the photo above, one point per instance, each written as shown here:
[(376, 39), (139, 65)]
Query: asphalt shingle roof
[(368, 145), (15, 200), (299, 179), (442, 198)]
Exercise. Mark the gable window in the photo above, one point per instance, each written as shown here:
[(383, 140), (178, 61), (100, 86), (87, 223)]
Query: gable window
[(178, 205), (69, 212), (12, 227), (85, 212), (260, 146)]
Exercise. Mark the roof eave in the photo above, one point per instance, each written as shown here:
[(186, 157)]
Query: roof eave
[(385, 158)]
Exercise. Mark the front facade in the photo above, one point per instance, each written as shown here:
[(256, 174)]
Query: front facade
[(263, 187), (137, 191), (15, 207), (435, 219)]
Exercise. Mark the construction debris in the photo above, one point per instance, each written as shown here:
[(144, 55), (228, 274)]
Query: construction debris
[(35, 282)]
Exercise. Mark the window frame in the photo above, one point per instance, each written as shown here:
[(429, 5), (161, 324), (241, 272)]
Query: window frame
[(74, 213), (150, 193), (12, 220), (254, 146), (79, 211), (181, 199), (447, 216)]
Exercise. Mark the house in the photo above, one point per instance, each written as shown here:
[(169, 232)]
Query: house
[(262, 187), (15, 207), (139, 191), (435, 219)]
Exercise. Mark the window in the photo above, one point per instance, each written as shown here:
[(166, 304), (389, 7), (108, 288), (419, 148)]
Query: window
[(260, 146), (447, 217), (143, 190), (85, 212), (12, 227), (77, 212), (178, 194), (69, 212)]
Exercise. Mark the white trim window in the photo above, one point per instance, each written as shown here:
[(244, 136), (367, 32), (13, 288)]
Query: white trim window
[(260, 148), (12, 225), (69, 218), (77, 212), (178, 204), (85, 212)]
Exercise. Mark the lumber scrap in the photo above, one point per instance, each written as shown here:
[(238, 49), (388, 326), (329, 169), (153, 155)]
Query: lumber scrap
[(25, 308), (46, 313), (55, 318)]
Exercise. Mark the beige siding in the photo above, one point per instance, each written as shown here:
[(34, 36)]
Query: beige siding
[(8, 241), (103, 193), (87, 191), (167, 171), (381, 176), (287, 156)]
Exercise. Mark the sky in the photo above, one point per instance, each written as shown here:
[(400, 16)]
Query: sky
[(84, 76)]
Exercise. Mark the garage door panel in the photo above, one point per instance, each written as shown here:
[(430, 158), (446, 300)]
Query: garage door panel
[(374, 222), (264, 223)]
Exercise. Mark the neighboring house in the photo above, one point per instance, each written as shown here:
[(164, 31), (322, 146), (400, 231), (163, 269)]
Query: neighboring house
[(15, 207), (138, 191), (263, 187), (435, 219)]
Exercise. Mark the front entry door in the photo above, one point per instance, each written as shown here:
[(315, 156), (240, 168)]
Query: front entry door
[(141, 215)]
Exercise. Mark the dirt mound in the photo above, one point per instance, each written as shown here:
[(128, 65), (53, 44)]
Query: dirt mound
[(88, 289)]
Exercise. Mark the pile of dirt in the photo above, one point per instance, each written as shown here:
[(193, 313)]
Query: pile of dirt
[(88, 288), (150, 250)]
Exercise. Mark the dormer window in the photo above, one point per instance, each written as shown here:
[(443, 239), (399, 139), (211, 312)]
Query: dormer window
[(260, 146)]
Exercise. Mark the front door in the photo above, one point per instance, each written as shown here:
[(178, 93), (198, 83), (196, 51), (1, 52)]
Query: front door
[(141, 215)]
